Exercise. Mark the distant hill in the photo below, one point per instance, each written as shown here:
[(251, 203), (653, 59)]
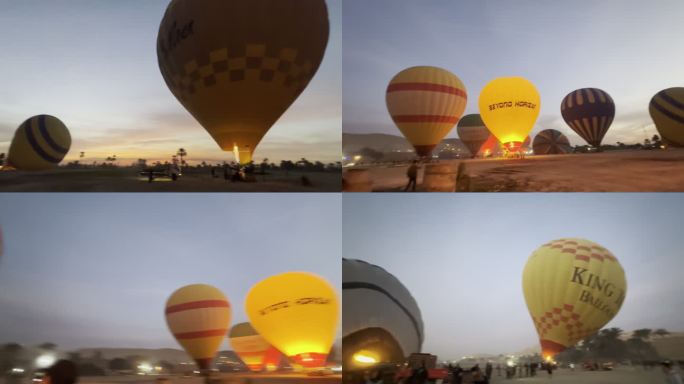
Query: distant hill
[(352, 142)]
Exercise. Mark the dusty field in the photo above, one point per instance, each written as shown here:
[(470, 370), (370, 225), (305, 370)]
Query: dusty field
[(128, 180), (618, 376), (624, 171)]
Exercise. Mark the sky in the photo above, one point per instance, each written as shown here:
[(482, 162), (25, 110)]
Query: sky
[(93, 64), (462, 257), (628, 48), (95, 270)]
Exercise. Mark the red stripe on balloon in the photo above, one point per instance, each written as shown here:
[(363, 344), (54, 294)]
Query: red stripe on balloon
[(425, 119), (430, 87), (200, 334), (197, 305)]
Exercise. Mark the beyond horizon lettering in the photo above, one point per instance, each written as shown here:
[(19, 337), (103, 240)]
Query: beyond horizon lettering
[(510, 104)]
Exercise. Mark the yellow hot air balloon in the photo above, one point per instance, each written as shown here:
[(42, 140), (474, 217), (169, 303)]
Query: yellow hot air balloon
[(253, 349), (425, 104), (238, 65), (39, 144), (509, 107), (198, 316), (572, 288), (298, 313)]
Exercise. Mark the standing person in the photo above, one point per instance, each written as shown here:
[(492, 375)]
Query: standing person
[(488, 370), (671, 376), (226, 173), (62, 372), (412, 174), (549, 369), (498, 369)]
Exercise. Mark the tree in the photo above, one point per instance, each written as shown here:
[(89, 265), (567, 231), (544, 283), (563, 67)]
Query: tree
[(642, 334), (661, 332), (287, 165), (181, 153), (142, 163), (119, 364)]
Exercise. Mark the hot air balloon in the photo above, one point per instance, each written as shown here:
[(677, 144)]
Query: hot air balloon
[(491, 147), (381, 320), (296, 312), (589, 112), (509, 107), (39, 144), (198, 316), (572, 288), (667, 112), (551, 142), (472, 132), (238, 65), (425, 104), (253, 349)]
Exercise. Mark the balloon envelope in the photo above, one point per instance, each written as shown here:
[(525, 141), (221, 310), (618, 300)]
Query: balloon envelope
[(238, 65), (296, 312), (425, 103), (253, 349), (572, 288), (589, 112), (551, 142), (509, 107), (667, 111), (381, 319), (198, 316), (473, 132), (40, 143)]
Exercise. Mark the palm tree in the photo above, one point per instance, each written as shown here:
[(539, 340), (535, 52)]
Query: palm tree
[(181, 152)]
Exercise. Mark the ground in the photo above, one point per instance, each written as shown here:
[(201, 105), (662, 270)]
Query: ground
[(624, 375), (616, 171), (291, 378), (128, 180)]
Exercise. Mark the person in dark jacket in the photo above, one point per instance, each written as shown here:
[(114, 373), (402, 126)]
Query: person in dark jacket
[(412, 174)]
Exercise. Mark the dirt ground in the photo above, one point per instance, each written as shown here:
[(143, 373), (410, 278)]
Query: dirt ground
[(566, 376), (618, 171), (128, 180)]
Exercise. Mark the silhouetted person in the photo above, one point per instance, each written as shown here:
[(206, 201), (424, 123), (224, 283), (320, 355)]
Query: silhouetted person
[(457, 374), (213, 172), (549, 369), (226, 173), (476, 373), (488, 370), (412, 174), (671, 376), (498, 369), (150, 176), (62, 372)]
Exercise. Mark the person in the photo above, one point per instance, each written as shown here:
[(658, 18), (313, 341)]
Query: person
[(478, 377), (226, 173), (498, 369), (527, 369), (62, 372), (671, 375), (412, 174), (213, 172), (488, 370), (549, 369)]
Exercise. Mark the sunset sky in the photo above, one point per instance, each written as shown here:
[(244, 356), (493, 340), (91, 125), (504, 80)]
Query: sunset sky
[(628, 48), (93, 64)]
